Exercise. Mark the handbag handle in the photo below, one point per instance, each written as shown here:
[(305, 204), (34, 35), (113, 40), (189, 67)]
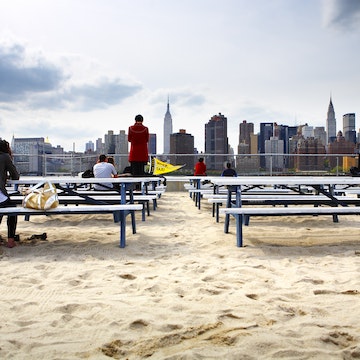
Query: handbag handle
[(41, 183)]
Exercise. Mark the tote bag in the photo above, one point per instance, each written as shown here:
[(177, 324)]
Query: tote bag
[(42, 196)]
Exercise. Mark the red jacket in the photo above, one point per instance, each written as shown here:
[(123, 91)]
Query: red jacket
[(200, 168), (138, 136)]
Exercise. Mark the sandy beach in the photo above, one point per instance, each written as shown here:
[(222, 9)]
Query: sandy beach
[(181, 289)]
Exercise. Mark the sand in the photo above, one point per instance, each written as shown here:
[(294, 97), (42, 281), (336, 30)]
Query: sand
[(181, 289)]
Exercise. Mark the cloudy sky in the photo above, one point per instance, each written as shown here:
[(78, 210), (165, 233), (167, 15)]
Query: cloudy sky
[(71, 70)]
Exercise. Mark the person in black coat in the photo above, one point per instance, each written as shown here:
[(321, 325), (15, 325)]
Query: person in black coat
[(7, 168)]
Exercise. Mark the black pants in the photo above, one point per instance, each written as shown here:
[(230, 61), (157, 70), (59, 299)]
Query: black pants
[(138, 168), (11, 220)]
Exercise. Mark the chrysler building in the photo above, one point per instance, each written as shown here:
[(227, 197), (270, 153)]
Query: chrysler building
[(168, 130), (331, 123)]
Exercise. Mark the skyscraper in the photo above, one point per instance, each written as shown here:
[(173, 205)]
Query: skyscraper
[(182, 143), (266, 132), (349, 127), (152, 144), (168, 129), (245, 131), (331, 123), (216, 142)]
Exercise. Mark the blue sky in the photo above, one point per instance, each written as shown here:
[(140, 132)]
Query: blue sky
[(71, 70)]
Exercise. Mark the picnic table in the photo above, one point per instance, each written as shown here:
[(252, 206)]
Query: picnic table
[(321, 185), (74, 186)]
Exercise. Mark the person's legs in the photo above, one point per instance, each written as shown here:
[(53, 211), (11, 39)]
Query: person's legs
[(137, 168), (11, 225)]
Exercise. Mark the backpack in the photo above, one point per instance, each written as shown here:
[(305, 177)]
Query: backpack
[(355, 171), (87, 174)]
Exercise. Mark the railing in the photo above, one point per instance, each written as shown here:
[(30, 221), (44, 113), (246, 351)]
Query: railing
[(245, 164)]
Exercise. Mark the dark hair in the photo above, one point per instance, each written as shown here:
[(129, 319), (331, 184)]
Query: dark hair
[(5, 147), (110, 160), (201, 159), (139, 118), (102, 158)]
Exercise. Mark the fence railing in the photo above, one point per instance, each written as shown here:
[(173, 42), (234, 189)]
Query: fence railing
[(244, 164)]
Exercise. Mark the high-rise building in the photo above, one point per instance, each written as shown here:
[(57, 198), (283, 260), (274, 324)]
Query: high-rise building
[(216, 142), (340, 146), (152, 144), (168, 129), (100, 146), (275, 148), (245, 131), (28, 155), (109, 142), (285, 133), (117, 145), (307, 131), (89, 147), (266, 132), (248, 144), (182, 143), (349, 127), (309, 146), (331, 123), (320, 133)]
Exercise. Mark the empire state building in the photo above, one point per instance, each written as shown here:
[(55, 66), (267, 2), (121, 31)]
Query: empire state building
[(168, 129)]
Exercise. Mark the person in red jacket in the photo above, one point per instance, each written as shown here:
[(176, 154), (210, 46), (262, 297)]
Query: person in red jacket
[(138, 136), (200, 168)]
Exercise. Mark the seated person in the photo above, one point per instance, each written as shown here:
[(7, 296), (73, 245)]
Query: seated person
[(229, 171), (111, 160), (103, 169), (200, 168)]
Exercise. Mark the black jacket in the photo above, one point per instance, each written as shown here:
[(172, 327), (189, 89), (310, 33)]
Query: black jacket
[(6, 167)]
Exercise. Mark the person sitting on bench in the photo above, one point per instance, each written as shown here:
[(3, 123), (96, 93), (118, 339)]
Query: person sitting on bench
[(7, 166)]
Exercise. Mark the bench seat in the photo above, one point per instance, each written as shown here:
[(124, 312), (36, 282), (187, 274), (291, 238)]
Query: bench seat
[(111, 199), (284, 200), (242, 213), (119, 212)]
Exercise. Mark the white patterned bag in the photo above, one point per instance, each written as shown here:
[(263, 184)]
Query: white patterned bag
[(42, 196)]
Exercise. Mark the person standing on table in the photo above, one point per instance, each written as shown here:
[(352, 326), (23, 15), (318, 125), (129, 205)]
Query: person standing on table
[(103, 169), (228, 171), (138, 136), (200, 168), (7, 167)]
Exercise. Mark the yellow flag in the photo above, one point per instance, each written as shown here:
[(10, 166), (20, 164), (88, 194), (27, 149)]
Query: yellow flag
[(161, 167)]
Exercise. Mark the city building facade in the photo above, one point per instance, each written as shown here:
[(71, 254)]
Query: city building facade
[(216, 142), (331, 123), (349, 131), (168, 129), (182, 143)]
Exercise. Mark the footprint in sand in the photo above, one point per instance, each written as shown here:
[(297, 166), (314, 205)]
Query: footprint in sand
[(138, 324), (339, 338), (127, 276), (69, 308), (252, 296)]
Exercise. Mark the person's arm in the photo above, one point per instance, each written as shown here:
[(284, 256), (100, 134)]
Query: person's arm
[(14, 174), (113, 170)]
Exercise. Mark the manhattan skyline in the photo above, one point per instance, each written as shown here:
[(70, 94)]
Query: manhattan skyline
[(70, 71)]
